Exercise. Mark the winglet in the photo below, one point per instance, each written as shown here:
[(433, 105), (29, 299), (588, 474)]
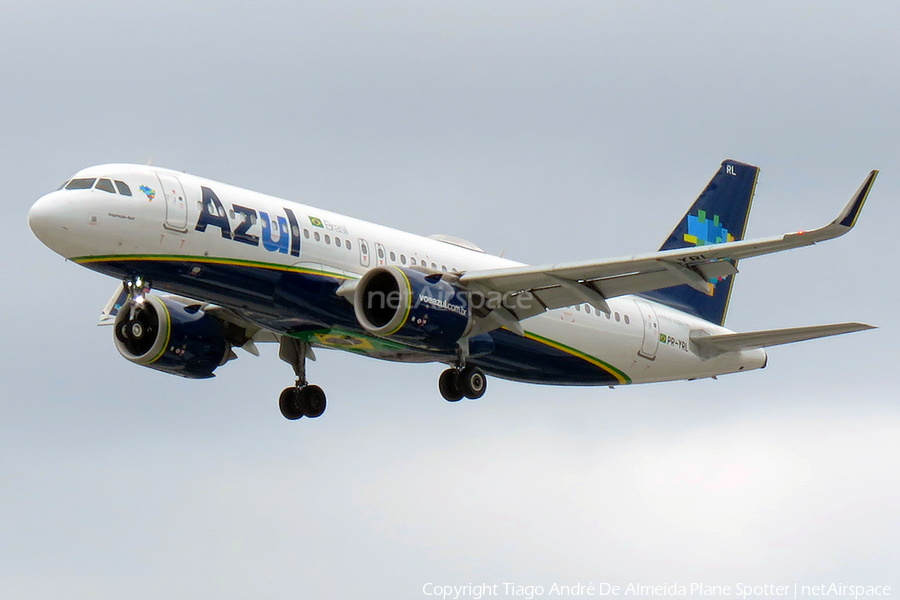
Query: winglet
[(848, 216), (845, 221)]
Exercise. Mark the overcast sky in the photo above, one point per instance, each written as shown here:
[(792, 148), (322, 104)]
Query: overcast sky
[(546, 130)]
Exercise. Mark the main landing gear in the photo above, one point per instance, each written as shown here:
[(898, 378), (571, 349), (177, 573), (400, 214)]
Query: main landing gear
[(301, 400), (468, 381)]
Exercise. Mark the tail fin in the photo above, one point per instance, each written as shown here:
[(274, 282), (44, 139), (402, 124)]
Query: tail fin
[(719, 215)]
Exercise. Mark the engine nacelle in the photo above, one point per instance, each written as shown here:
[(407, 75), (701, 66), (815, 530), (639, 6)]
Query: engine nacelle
[(412, 307), (171, 337)]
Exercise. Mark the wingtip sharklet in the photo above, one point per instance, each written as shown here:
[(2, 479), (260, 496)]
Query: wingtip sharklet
[(848, 216)]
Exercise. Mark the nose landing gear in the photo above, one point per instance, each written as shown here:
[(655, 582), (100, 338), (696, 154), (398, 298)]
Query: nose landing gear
[(301, 400), (469, 381)]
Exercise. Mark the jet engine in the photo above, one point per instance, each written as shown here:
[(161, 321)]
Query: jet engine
[(415, 308), (172, 337)]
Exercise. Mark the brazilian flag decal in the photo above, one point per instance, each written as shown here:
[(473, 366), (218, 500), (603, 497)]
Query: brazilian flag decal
[(317, 222)]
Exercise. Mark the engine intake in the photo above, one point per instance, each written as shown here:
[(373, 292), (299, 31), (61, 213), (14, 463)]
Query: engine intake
[(412, 307), (171, 337)]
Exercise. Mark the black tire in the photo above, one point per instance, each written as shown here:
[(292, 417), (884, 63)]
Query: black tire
[(449, 385), (473, 382), (312, 401), (289, 403)]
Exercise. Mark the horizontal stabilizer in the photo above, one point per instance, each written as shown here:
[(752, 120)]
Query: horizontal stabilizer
[(712, 345)]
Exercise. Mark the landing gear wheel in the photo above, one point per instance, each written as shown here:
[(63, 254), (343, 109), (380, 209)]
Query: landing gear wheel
[(450, 386), (307, 401), (289, 403), (472, 382), (302, 400), (312, 401)]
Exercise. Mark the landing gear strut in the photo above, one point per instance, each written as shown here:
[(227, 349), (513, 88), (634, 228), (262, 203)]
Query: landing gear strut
[(301, 400), (137, 332), (468, 381)]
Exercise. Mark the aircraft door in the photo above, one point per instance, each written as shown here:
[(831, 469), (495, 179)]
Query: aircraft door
[(176, 203), (380, 255), (651, 330), (363, 252)]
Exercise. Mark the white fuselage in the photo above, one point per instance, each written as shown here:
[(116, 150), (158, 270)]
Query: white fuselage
[(643, 340)]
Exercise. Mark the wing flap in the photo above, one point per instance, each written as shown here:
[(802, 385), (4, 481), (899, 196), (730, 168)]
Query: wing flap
[(712, 345)]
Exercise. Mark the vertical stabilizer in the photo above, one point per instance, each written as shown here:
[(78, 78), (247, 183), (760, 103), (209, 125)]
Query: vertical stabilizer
[(718, 216)]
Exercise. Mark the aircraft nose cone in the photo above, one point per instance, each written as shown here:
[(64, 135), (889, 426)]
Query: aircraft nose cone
[(39, 217), (45, 220)]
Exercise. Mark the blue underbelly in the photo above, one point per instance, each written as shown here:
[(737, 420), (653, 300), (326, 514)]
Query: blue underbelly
[(303, 303)]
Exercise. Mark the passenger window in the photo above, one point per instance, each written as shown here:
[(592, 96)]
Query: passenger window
[(348, 245), (627, 320), (337, 242), (403, 258), (618, 318), (80, 184), (327, 239), (306, 233), (316, 236), (393, 256), (123, 188), (444, 268), (381, 253), (433, 266), (587, 308), (578, 307), (364, 248)]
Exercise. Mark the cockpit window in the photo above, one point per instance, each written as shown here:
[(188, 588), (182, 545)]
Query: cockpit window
[(123, 188), (80, 184), (63, 185), (105, 185)]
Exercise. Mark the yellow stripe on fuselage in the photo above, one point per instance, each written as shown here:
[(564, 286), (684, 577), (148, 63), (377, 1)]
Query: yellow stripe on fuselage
[(619, 375), (206, 260)]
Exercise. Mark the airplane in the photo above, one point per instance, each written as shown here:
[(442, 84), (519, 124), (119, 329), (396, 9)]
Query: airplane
[(230, 268)]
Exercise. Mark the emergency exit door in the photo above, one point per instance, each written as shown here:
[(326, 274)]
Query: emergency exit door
[(650, 343)]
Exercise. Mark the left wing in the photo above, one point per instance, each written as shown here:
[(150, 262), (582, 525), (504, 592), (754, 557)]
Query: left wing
[(559, 285)]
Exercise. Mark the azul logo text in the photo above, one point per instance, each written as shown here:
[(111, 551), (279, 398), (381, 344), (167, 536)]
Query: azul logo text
[(279, 233)]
